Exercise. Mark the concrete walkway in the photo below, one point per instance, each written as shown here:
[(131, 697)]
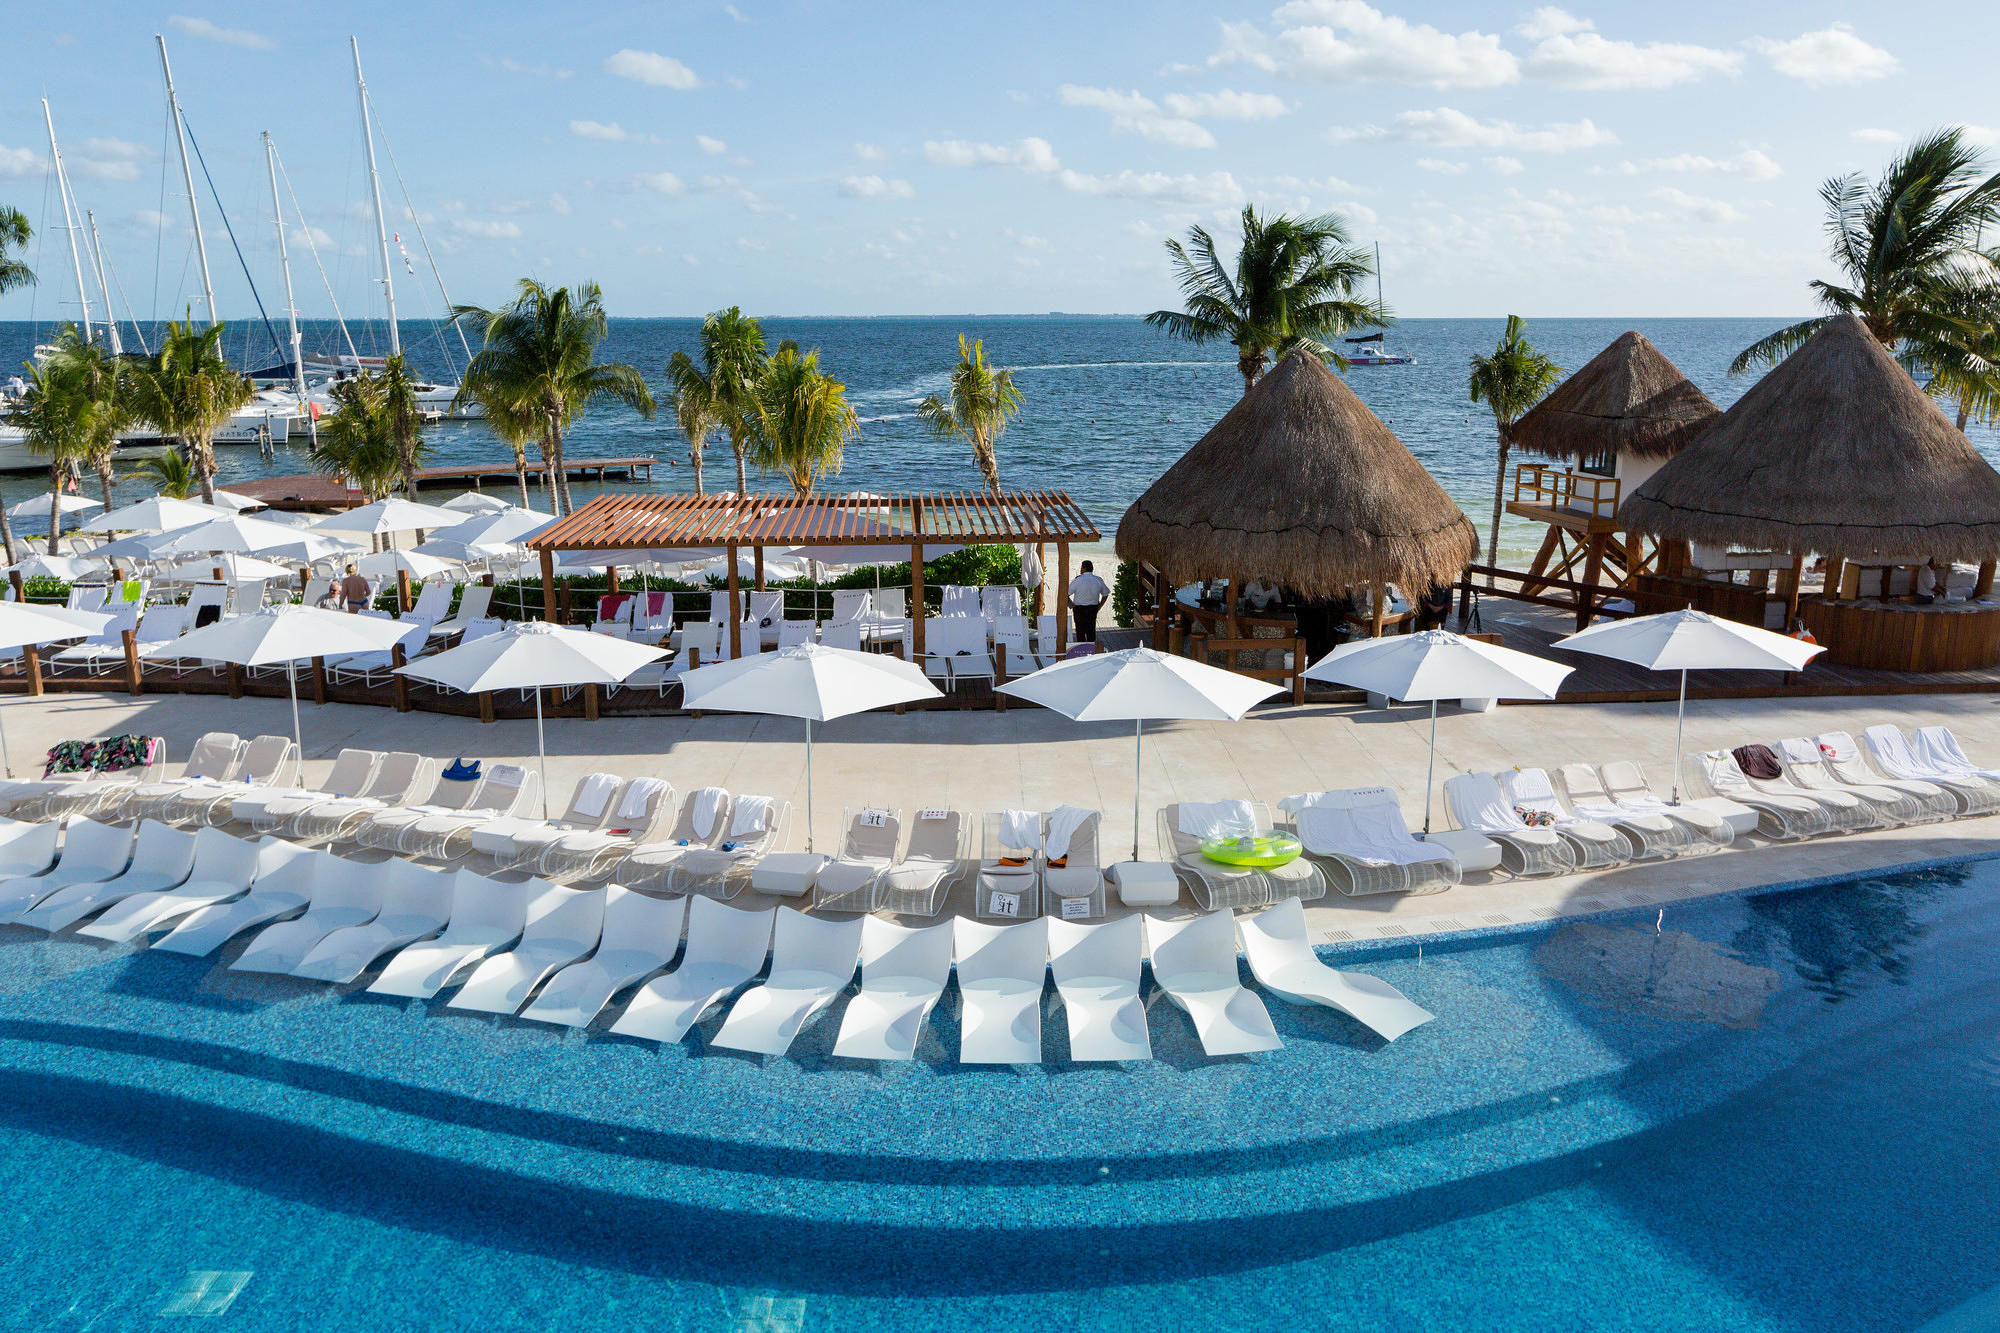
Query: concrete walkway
[(1030, 758)]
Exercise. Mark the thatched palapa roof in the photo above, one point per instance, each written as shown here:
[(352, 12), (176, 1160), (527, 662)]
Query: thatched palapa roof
[(1836, 450), (1627, 399), (1301, 484)]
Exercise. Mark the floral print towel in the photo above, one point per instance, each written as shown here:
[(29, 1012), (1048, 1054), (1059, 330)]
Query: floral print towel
[(100, 756)]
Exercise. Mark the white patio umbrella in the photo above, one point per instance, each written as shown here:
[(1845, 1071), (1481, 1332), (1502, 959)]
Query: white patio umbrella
[(534, 655), (162, 513), (25, 623), (287, 633), (236, 567), (806, 681), (1140, 685), (1433, 665), (38, 506), (498, 528), (251, 536), (67, 567), (475, 502), (417, 564), (1687, 641), (390, 515), (232, 501)]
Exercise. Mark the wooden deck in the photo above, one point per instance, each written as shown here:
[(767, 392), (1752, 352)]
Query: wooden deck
[(314, 490)]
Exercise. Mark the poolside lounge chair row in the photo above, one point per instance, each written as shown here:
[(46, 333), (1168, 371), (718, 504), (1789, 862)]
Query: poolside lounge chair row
[(1804, 787)]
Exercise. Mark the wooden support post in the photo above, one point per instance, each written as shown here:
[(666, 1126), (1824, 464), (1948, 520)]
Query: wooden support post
[(234, 674), (486, 705), (319, 680), (1163, 623), (134, 686), (1983, 584), (549, 586), (567, 600), (403, 600), (399, 685), (302, 582), (1299, 665), (486, 579), (14, 578), (1835, 575), (735, 607), (1788, 588), (917, 601), (31, 662), (757, 555), (590, 701), (1593, 566), (1062, 599), (1232, 630), (999, 677), (611, 580), (1378, 599)]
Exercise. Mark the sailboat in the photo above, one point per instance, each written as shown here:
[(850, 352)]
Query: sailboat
[(1369, 349)]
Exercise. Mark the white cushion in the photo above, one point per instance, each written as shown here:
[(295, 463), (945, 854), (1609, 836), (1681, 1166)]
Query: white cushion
[(1145, 883), (787, 874)]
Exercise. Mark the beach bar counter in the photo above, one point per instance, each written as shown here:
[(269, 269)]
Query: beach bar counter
[(1837, 464)]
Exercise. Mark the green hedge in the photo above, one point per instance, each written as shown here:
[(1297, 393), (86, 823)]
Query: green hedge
[(1125, 594)]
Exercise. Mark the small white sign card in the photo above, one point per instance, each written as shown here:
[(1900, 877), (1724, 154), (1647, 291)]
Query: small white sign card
[(874, 818), (1004, 904), (1073, 908), (933, 814)]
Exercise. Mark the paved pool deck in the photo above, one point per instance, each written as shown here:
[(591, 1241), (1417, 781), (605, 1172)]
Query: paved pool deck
[(1030, 758)]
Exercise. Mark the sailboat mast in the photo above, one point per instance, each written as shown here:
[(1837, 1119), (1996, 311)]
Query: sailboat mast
[(375, 192), (187, 178), (103, 286), (285, 263), (69, 218), (1378, 275)]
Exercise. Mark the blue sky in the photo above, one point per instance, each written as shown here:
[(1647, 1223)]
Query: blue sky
[(812, 158)]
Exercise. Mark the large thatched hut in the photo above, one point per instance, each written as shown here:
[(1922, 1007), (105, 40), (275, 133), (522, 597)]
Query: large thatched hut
[(1300, 484), (1624, 414)]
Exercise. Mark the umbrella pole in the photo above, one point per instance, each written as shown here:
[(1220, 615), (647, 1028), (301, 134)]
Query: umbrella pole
[(5, 758), (809, 784), (542, 749), (1680, 720), (298, 737), (1138, 750), (1430, 771)]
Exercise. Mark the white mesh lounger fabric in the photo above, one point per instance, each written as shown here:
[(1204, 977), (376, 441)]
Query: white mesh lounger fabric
[(267, 763), (812, 960), (562, 926), (641, 935), (270, 810), (1779, 816), (344, 893), (1283, 961), (213, 759), (1846, 762), (851, 881), (930, 867), (401, 778), (1010, 872), (1476, 802), (1625, 783), (517, 839), (1595, 843), (225, 875), (725, 949), (163, 857), (1651, 834), (1184, 825), (91, 853), (509, 789), (903, 973), (635, 817), (283, 887), (1096, 970), (1362, 844), (1072, 869), (416, 903), (702, 822), (486, 916), (1806, 766), (1002, 971), (386, 828), (1194, 962), (1847, 813), (758, 827), (1892, 754)]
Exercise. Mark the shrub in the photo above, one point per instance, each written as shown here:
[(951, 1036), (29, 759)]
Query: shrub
[(1125, 594)]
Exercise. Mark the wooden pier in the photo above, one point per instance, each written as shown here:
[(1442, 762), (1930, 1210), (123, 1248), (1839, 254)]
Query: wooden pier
[(315, 490)]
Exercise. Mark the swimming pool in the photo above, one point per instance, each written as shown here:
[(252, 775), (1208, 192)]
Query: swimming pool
[(1764, 1112)]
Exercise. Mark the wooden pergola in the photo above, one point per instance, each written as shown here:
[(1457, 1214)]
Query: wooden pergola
[(902, 525)]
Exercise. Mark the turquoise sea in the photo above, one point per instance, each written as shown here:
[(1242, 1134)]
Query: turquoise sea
[(1108, 403)]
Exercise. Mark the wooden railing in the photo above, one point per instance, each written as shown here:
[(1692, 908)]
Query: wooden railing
[(1550, 487)]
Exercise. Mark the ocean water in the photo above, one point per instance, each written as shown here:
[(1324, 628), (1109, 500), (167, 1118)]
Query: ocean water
[(1107, 403)]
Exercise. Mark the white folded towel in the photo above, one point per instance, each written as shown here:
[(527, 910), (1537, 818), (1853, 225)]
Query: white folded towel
[(1477, 803), (1064, 821), (707, 803), (1937, 747), (1838, 746), (1021, 828), (591, 796), (752, 816), (1800, 750), (506, 775), (1368, 834), (1208, 819), (639, 794)]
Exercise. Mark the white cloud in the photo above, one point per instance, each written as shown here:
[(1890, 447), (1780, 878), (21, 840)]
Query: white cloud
[(156, 220), (1698, 207), (1876, 136), (1349, 42), (734, 13), (1215, 188), (660, 182), (1444, 127), (1225, 105), (1549, 21), (708, 145), (1029, 154), (559, 203), (875, 187), (1750, 165), (1580, 58), (871, 152), (732, 188), (19, 161), (513, 66), (1443, 167), (1833, 55), (608, 131), (492, 231), (1138, 114), (194, 27), (1981, 135), (652, 68), (1506, 166)]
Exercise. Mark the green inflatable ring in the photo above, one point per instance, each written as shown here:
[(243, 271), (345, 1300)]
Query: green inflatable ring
[(1260, 851)]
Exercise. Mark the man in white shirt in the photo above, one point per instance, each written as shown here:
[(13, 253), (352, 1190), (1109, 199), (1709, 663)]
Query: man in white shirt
[(1087, 594)]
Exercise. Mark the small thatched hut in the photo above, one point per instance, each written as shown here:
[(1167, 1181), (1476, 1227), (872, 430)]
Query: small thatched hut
[(1624, 414), (1300, 484), (1835, 451)]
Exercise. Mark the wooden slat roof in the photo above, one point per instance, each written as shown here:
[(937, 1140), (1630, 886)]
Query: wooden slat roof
[(636, 521)]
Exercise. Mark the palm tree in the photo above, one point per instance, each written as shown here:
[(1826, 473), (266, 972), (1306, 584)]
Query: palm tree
[(540, 355), (405, 420), (104, 382), (168, 473), (696, 408), (1510, 381), (358, 441), (55, 418), (1293, 287), (801, 421), (983, 401), (189, 392), (1908, 247), (14, 235), (517, 428), (722, 385)]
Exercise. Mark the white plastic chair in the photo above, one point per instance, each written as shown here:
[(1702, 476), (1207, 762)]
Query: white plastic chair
[(285, 874), (725, 949), (91, 853), (401, 778), (27, 849), (794, 633), (1096, 970), (903, 972), (641, 935), (486, 916), (416, 903), (590, 804), (344, 893), (562, 926), (1194, 962), (268, 811), (1001, 973), (162, 858), (224, 868), (842, 634), (812, 960), (1282, 959)]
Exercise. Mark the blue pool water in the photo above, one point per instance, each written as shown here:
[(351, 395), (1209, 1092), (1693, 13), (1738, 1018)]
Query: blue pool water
[(1765, 1112)]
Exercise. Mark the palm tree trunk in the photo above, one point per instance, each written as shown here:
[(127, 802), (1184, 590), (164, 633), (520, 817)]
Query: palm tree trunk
[(742, 464), (1499, 490), (204, 468), (989, 463), (105, 478), (521, 474), (1250, 367), (55, 505), (7, 536), (694, 456), (1964, 415)]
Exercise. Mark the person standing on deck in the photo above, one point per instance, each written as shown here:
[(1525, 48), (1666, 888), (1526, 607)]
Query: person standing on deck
[(354, 590), (1087, 595)]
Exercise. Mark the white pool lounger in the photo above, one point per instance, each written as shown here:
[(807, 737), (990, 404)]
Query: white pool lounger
[(563, 925), (903, 972), (1194, 962), (283, 886), (344, 893), (1284, 963), (1001, 973), (486, 916), (641, 935), (91, 853), (416, 902), (812, 960), (27, 849), (725, 949), (163, 857), (1096, 969), (228, 873)]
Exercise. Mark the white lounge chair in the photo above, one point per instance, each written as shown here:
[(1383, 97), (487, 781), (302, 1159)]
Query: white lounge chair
[(1194, 962), (1283, 961), (1780, 815), (1846, 761), (1001, 973), (1708, 818), (473, 604), (959, 602), (27, 849), (903, 972), (793, 633), (269, 810), (1723, 771), (1649, 832), (1891, 754), (643, 811), (641, 935), (1475, 801), (1940, 749), (1596, 843), (344, 893), (224, 868), (378, 668), (402, 778), (91, 853), (215, 758), (1096, 970), (1185, 825), (283, 887), (506, 789), (931, 866), (562, 926), (851, 881), (268, 763), (812, 960), (162, 858), (1009, 886), (416, 903), (1806, 766), (758, 826), (486, 916), (1361, 843), (85, 794), (1072, 868), (503, 839), (702, 821), (725, 950)]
